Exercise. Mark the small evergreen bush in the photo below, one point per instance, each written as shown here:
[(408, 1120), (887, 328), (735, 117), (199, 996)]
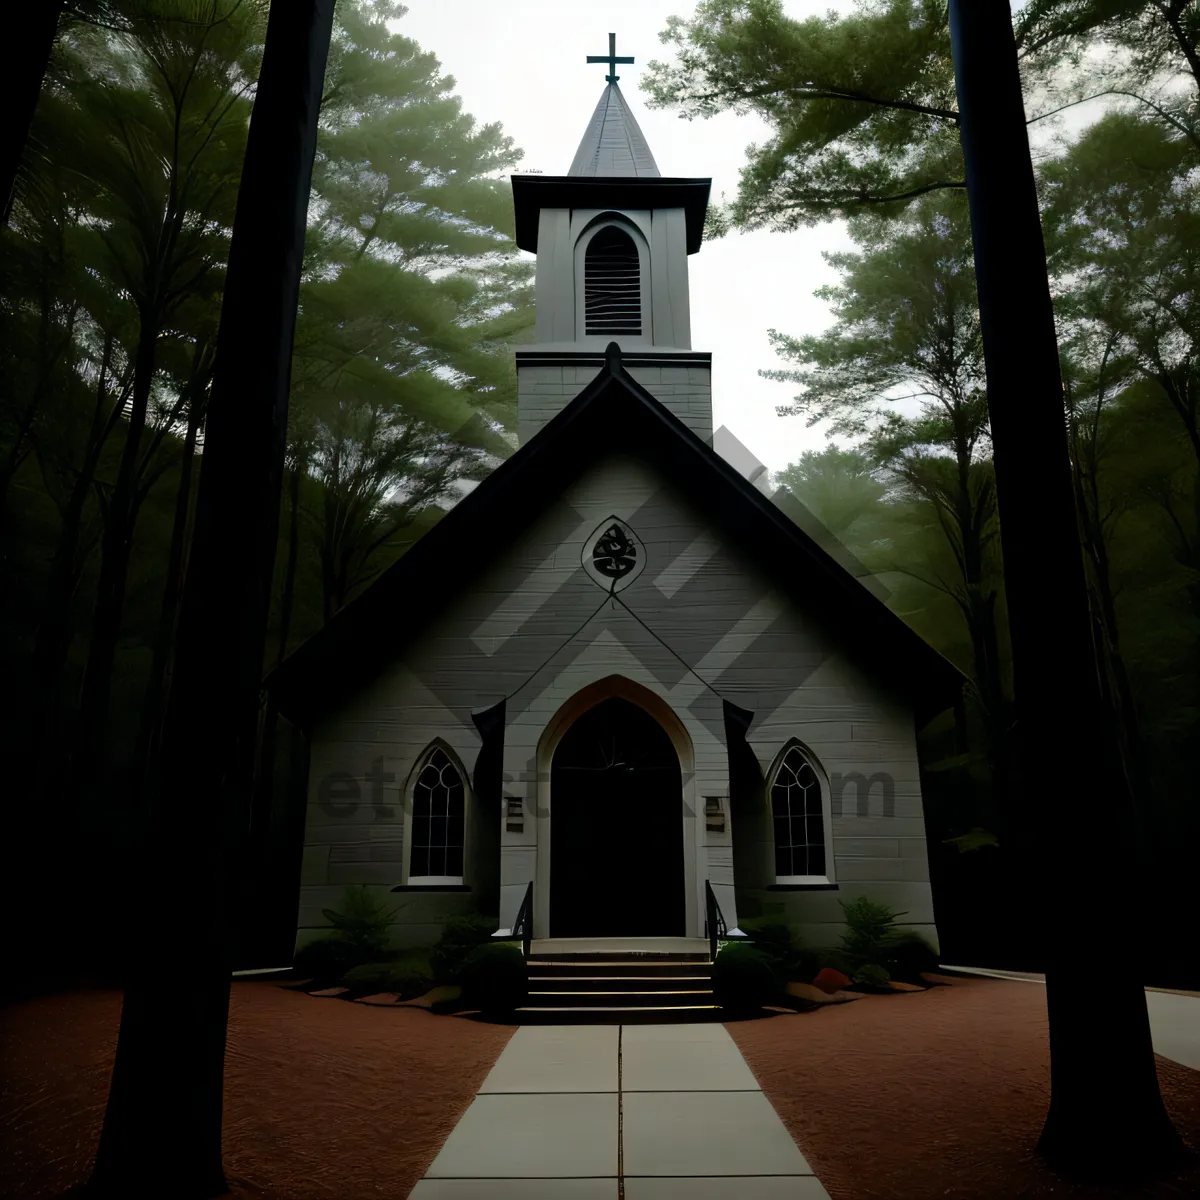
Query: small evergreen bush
[(744, 978), (871, 975), (460, 935), (326, 960), (363, 921), (872, 939), (870, 927), (776, 940), (772, 937), (495, 978), (908, 954), (407, 975), (361, 934)]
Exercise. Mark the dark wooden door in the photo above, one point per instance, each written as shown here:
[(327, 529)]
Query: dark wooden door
[(616, 828)]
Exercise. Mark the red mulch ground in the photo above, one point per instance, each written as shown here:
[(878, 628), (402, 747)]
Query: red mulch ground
[(902, 1097), (324, 1100), (934, 1094)]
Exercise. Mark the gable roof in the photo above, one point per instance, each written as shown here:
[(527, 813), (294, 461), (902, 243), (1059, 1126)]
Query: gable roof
[(613, 144), (362, 637)]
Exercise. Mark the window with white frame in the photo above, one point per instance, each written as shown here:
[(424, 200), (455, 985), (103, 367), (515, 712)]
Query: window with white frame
[(799, 822), (438, 822)]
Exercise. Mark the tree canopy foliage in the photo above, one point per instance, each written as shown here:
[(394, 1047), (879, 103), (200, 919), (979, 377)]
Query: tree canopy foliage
[(864, 128), (862, 105), (112, 268)]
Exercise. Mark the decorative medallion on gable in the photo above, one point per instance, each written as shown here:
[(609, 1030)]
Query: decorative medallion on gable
[(613, 556)]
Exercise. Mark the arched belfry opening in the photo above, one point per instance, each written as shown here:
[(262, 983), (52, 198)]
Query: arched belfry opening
[(616, 835), (612, 284)]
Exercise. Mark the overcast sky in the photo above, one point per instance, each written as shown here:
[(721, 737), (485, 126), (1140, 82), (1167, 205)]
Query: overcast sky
[(522, 63)]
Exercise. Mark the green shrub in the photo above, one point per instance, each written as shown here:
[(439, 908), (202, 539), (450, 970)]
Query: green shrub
[(495, 978), (408, 975), (363, 921), (871, 975), (771, 936), (744, 978), (776, 940), (870, 927), (460, 935), (907, 954), (327, 959), (803, 965)]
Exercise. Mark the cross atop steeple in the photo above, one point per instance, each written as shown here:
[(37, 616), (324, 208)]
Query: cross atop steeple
[(610, 58)]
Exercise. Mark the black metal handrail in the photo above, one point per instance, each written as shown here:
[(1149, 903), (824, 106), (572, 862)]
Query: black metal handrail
[(522, 926), (714, 920)]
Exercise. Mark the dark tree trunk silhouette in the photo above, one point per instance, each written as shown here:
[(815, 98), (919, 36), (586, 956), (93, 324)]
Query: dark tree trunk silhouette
[(162, 1127), (51, 348), (25, 68), (52, 640), (116, 547), (157, 686), (288, 594), (1106, 1113)]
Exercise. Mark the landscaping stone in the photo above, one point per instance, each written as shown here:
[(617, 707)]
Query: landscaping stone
[(815, 995), (829, 980), (435, 996)]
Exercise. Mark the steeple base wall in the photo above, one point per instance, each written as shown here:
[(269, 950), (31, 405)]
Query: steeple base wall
[(548, 380)]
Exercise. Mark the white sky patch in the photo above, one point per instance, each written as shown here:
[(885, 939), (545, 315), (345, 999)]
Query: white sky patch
[(521, 63)]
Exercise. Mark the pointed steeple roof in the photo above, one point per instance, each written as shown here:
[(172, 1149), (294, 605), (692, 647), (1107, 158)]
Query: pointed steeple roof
[(613, 146)]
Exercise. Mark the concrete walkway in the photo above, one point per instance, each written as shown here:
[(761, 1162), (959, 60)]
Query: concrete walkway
[(620, 1112)]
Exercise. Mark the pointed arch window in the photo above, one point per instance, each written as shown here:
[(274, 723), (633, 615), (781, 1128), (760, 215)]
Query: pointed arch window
[(612, 284), (438, 821), (797, 812)]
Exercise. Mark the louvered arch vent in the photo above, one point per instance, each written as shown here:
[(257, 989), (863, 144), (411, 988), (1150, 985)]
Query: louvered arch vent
[(612, 284)]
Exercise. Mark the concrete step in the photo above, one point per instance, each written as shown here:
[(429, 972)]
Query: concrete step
[(620, 968), (622, 998), (679, 1014), (648, 959), (605, 980)]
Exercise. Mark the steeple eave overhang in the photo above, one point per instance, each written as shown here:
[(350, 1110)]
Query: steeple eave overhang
[(532, 193)]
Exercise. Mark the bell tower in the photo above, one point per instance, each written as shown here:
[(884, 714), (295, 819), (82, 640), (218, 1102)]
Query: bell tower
[(612, 239)]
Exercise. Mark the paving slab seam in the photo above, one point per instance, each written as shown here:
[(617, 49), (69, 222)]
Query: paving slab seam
[(620, 1118)]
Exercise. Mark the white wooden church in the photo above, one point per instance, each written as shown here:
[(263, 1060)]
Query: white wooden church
[(619, 672)]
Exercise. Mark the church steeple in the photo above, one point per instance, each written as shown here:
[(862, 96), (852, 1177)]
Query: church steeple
[(612, 238), (614, 146)]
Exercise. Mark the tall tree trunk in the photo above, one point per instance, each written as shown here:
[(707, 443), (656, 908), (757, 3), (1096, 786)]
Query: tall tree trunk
[(1106, 1113), (25, 65), (53, 633), (162, 1127), (288, 596), (50, 350), (115, 550), (158, 684)]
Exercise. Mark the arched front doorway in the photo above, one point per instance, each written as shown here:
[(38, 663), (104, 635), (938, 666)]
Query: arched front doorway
[(616, 834)]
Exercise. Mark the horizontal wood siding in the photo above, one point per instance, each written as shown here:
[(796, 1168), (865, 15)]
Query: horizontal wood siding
[(535, 628), (544, 390)]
